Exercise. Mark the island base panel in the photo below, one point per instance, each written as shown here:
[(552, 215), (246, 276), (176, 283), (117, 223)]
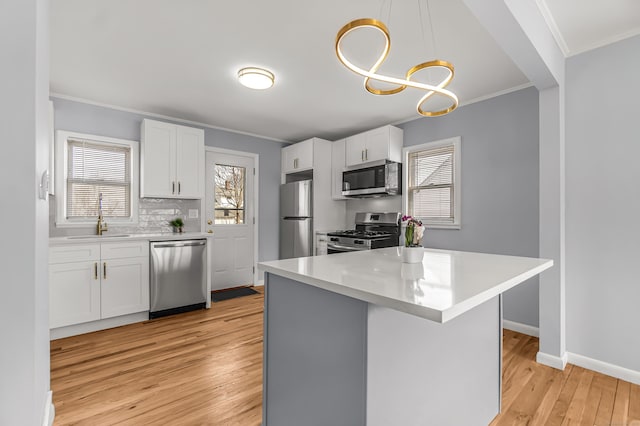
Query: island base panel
[(424, 373), (315, 356)]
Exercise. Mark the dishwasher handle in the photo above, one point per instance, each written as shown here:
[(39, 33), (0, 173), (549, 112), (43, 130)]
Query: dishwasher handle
[(180, 244)]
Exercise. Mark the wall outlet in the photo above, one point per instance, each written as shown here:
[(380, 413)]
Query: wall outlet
[(193, 213)]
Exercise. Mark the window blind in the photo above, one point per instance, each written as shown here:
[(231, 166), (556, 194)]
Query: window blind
[(94, 169), (431, 184)]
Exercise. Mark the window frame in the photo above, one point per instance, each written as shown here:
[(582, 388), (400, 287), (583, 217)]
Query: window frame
[(61, 174), (244, 200), (457, 181)]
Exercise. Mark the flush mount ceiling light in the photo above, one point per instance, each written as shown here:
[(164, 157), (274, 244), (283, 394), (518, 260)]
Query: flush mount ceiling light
[(371, 73), (256, 78)]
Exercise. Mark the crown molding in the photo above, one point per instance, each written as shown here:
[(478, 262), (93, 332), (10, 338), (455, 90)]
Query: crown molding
[(165, 117)]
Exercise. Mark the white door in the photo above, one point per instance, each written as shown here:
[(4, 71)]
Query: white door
[(229, 215), (158, 155), (124, 287), (189, 149), (74, 293)]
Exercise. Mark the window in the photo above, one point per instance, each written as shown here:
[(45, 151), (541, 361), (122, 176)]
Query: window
[(432, 182), (229, 193), (95, 167)]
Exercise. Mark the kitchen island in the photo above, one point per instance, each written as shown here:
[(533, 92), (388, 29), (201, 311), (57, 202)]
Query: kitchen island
[(363, 339)]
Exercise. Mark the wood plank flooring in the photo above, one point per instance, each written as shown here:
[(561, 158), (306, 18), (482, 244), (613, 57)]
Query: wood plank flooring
[(205, 368), (534, 394)]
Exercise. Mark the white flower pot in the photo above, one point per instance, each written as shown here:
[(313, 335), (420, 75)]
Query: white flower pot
[(412, 254)]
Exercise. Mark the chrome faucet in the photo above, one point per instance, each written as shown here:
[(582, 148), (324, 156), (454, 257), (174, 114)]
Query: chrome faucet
[(102, 225)]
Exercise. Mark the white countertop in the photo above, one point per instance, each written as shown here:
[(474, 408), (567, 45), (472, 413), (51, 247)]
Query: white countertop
[(446, 284), (90, 239)]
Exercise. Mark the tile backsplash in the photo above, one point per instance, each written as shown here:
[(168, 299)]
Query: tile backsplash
[(154, 215)]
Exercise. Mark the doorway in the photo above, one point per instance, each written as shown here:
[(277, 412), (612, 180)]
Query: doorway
[(230, 213)]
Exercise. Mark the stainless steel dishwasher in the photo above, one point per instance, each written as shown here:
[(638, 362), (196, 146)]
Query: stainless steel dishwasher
[(177, 276)]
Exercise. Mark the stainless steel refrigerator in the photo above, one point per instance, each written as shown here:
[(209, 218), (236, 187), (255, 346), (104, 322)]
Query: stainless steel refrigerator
[(296, 219)]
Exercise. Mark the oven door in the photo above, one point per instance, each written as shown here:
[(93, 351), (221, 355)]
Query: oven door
[(339, 248)]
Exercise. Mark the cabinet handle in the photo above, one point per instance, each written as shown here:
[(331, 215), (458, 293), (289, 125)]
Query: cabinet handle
[(295, 163), (362, 155), (178, 187), (173, 187), (209, 222), (104, 270), (95, 270), (366, 154)]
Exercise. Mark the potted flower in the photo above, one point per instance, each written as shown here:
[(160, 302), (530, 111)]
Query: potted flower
[(177, 224), (412, 252)]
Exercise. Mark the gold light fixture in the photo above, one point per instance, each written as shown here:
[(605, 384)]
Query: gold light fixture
[(371, 73), (256, 78)]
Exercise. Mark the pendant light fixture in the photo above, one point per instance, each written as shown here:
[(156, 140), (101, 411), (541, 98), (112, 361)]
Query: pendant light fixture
[(256, 78), (401, 83)]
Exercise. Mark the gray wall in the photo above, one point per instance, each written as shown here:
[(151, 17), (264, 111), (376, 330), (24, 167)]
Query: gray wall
[(24, 305), (499, 184), (85, 118), (602, 204)]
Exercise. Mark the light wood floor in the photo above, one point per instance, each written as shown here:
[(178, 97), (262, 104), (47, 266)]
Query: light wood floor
[(205, 368)]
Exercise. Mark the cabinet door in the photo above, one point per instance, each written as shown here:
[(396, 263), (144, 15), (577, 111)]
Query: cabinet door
[(305, 155), (297, 157), (288, 156), (337, 166), (321, 243), (190, 162), (124, 286), (158, 160), (377, 144), (74, 293), (354, 149)]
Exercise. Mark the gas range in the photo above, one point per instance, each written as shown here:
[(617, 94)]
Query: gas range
[(373, 230), (365, 235)]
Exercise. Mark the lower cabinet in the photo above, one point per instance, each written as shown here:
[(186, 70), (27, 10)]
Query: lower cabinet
[(125, 287), (74, 293), (89, 282), (321, 243)]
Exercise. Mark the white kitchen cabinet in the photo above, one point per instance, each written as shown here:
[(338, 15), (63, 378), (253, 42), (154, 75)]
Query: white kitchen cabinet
[(314, 161), (124, 288), (74, 293), (384, 143), (321, 243), (337, 167), (89, 282), (297, 157), (172, 161)]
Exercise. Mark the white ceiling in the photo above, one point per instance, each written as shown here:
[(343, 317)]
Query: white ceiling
[(180, 58), (581, 25)]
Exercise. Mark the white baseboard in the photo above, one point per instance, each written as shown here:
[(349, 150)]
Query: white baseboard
[(260, 283), (88, 327), (605, 368), (529, 330), (556, 362), (49, 410)]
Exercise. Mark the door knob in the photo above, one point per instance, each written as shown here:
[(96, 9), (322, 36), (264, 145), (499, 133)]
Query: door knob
[(210, 231), (209, 222)]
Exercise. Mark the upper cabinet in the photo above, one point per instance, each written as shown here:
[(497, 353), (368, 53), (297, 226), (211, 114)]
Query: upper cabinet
[(337, 167), (172, 161), (297, 157), (312, 159), (384, 143)]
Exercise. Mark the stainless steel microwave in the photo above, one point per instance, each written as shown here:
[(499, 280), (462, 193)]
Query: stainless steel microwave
[(372, 181)]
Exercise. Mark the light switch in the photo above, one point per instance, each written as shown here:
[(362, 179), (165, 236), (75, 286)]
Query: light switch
[(193, 213)]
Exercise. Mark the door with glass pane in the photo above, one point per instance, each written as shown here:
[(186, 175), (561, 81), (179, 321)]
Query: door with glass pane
[(229, 214)]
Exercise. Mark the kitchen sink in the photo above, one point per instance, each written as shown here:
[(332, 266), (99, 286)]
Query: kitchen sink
[(84, 237)]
